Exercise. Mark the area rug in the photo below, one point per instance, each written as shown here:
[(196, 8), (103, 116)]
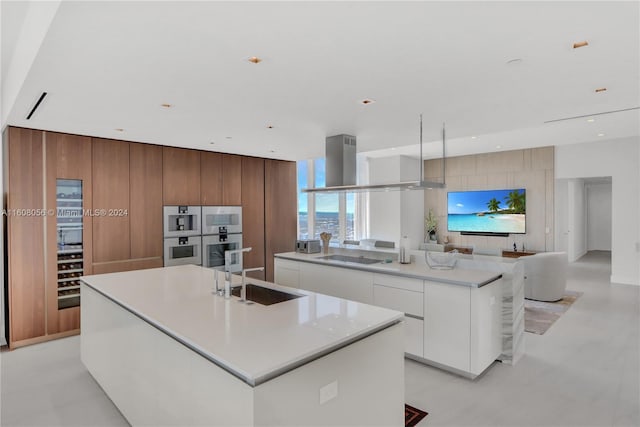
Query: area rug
[(539, 315), (413, 416)]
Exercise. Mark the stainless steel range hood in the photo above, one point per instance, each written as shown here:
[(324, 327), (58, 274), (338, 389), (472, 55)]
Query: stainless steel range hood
[(340, 163)]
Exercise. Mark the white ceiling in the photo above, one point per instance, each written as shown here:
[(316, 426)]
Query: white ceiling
[(108, 65)]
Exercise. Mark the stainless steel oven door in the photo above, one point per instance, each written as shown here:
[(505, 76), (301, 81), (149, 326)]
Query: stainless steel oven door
[(213, 252), (214, 217), (182, 250), (182, 221)]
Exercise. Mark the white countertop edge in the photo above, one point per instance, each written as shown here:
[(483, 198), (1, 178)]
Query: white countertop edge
[(261, 377), (380, 268)]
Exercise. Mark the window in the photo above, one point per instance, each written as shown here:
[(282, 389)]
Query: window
[(303, 206), (335, 213)]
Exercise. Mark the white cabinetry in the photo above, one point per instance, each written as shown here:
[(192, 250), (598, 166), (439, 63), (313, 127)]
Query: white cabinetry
[(447, 324), (405, 295), (455, 327), (354, 285), (287, 273), (486, 326), (462, 326)]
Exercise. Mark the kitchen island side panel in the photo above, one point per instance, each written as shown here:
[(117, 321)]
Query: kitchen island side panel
[(359, 385), (152, 378)]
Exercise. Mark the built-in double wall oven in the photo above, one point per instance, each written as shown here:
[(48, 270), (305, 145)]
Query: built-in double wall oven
[(222, 231), (201, 234), (182, 235)]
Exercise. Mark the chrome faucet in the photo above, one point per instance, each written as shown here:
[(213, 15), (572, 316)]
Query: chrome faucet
[(227, 269), (243, 291)]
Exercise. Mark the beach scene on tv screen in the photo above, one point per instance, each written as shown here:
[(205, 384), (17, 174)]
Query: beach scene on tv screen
[(491, 211)]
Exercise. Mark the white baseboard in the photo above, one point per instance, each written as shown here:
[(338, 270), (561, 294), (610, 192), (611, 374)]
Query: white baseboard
[(624, 280)]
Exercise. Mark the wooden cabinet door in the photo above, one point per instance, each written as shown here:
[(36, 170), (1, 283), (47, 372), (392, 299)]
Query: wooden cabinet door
[(221, 179), (231, 180), (253, 214), (111, 228), (68, 157), (25, 235), (180, 176), (280, 195), (211, 178), (145, 214)]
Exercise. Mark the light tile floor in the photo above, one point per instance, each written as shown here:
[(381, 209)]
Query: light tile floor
[(584, 371)]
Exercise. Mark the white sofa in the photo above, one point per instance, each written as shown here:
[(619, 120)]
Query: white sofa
[(545, 276)]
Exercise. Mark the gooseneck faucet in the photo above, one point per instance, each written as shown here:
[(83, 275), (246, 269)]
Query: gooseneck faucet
[(227, 268), (243, 290)]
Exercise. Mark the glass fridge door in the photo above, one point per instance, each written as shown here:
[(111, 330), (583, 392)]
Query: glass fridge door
[(69, 229)]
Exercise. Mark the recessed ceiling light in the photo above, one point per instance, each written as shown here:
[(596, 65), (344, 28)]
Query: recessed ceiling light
[(254, 60), (591, 120), (514, 61), (601, 89), (474, 137), (393, 148), (119, 129), (368, 101), (583, 43), (166, 105), (601, 134), (212, 143), (498, 146)]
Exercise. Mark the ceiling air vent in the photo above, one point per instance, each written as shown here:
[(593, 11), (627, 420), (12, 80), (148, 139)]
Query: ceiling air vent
[(35, 107)]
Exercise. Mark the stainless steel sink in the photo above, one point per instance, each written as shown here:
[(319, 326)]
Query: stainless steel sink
[(347, 258), (264, 296)]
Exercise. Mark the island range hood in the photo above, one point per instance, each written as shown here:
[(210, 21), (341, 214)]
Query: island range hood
[(340, 163)]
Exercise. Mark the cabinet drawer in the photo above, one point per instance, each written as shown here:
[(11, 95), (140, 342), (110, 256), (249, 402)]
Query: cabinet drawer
[(405, 283), (408, 302), (286, 263)]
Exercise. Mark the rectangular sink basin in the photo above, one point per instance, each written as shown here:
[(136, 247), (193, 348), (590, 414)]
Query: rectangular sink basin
[(356, 259), (264, 296)]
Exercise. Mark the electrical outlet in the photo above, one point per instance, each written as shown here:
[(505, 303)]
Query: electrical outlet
[(547, 230), (328, 392)]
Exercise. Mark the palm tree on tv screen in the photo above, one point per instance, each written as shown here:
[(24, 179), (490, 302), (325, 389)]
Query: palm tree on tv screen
[(516, 201), (493, 205)]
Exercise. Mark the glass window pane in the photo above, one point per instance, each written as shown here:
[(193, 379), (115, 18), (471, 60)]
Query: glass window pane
[(327, 216), (319, 168), (350, 215), (303, 182)]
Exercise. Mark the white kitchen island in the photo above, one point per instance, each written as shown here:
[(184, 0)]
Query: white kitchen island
[(453, 318), (169, 352)]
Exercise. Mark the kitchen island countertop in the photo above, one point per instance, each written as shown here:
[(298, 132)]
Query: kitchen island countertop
[(253, 342), (456, 276)]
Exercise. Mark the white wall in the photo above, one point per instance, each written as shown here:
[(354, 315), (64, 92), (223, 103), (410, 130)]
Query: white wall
[(577, 220), (619, 159), (384, 207), (598, 217), (561, 220), (394, 214)]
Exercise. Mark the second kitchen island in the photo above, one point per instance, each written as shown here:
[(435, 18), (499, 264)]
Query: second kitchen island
[(169, 352)]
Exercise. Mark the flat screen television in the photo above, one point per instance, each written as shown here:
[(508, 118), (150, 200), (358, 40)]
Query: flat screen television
[(487, 212)]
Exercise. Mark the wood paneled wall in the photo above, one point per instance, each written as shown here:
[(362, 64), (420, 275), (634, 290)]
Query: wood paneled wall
[(25, 234), (280, 210), (532, 169), (253, 226), (130, 183)]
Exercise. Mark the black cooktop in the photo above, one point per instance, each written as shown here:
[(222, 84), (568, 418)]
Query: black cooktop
[(347, 258)]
